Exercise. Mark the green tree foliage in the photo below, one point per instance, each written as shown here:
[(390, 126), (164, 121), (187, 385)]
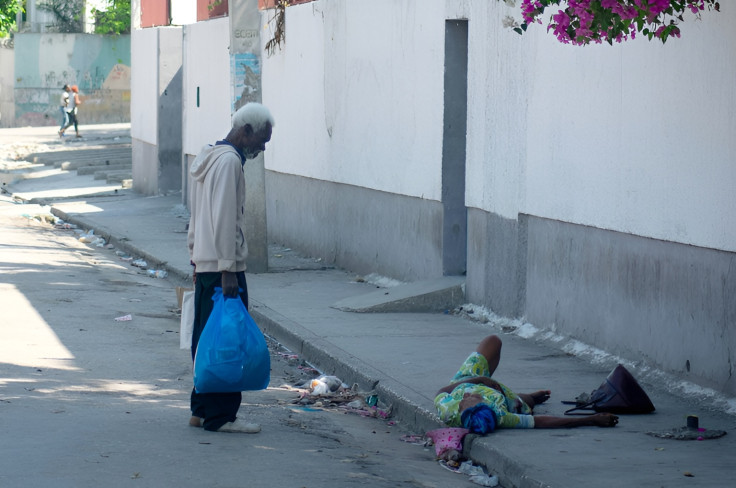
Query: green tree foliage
[(67, 13), (8, 9), (114, 20)]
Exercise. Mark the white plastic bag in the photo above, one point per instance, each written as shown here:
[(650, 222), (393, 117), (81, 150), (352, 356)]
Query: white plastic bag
[(187, 320)]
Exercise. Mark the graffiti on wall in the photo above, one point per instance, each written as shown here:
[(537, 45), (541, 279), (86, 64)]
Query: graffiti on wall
[(98, 65), (246, 73)]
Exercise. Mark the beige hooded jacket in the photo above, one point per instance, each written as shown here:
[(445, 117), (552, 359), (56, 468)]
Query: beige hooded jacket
[(217, 224)]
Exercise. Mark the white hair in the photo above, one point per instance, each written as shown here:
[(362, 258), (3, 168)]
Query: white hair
[(253, 114)]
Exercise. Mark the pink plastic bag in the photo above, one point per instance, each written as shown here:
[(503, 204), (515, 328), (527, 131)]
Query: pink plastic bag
[(446, 439)]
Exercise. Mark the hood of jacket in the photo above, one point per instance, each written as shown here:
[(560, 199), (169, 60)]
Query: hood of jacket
[(207, 157)]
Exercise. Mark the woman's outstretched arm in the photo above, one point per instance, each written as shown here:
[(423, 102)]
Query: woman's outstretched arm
[(551, 422)]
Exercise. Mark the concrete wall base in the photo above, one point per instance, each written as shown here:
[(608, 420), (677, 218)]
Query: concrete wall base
[(363, 230), (669, 304), (496, 276), (145, 167)]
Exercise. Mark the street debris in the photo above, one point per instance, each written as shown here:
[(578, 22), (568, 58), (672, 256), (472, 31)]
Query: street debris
[(448, 447), (414, 439), (476, 474), (330, 392), (447, 439), (90, 238), (317, 391), (688, 434), (124, 318)]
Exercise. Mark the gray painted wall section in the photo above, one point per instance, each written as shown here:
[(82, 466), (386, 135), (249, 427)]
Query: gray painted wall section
[(145, 169), (496, 274), (245, 53), (670, 304), (7, 83), (454, 141), (363, 230), (157, 169), (170, 110)]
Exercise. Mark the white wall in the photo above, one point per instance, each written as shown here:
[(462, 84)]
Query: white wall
[(499, 80), (636, 138), (144, 85), (639, 137), (7, 81), (206, 65), (361, 103)]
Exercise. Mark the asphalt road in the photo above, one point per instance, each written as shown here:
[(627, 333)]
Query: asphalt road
[(87, 400)]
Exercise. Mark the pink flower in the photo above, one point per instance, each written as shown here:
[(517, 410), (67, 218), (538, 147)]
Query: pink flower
[(581, 21)]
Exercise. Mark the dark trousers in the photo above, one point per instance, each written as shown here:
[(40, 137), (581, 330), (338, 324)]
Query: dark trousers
[(215, 408)]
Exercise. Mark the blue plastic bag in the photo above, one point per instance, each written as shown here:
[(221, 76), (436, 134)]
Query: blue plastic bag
[(232, 354)]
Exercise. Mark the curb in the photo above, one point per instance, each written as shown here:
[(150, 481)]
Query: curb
[(122, 244)]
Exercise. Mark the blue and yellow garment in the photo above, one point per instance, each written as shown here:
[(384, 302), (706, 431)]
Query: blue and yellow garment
[(511, 411)]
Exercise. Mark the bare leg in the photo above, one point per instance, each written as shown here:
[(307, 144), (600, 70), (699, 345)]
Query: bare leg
[(490, 348)]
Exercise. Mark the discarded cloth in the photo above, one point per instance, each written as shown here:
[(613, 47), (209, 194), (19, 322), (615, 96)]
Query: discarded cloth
[(447, 438)]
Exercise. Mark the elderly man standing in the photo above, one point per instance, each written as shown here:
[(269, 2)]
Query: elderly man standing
[(217, 244)]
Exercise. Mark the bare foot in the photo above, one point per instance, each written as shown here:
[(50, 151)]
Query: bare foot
[(540, 396)]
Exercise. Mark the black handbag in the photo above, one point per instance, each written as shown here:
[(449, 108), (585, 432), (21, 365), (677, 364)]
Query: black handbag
[(619, 394)]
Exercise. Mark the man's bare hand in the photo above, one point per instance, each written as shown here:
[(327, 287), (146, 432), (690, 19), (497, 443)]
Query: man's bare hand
[(229, 284)]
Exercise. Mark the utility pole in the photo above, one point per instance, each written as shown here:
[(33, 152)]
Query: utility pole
[(245, 75)]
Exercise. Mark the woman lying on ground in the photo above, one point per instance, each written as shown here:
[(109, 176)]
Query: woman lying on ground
[(480, 404)]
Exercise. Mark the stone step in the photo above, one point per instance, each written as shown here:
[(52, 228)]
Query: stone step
[(106, 174), (428, 296), (117, 176), (93, 170), (82, 161), (76, 164), (51, 157)]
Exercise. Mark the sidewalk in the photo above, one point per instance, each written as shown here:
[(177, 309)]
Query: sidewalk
[(407, 357)]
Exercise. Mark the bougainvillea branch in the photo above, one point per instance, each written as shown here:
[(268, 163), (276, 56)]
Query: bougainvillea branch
[(581, 22)]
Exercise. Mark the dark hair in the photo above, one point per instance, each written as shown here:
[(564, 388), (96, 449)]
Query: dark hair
[(65, 87), (480, 419)]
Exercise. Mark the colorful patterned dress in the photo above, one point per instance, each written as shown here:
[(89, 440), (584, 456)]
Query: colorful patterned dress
[(511, 411)]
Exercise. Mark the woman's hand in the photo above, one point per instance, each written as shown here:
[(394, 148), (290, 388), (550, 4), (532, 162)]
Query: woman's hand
[(598, 420), (476, 380), (605, 419), (490, 383)]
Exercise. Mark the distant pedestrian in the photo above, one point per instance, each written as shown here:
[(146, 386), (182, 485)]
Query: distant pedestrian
[(480, 404), (71, 111), (63, 104), (217, 244)]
